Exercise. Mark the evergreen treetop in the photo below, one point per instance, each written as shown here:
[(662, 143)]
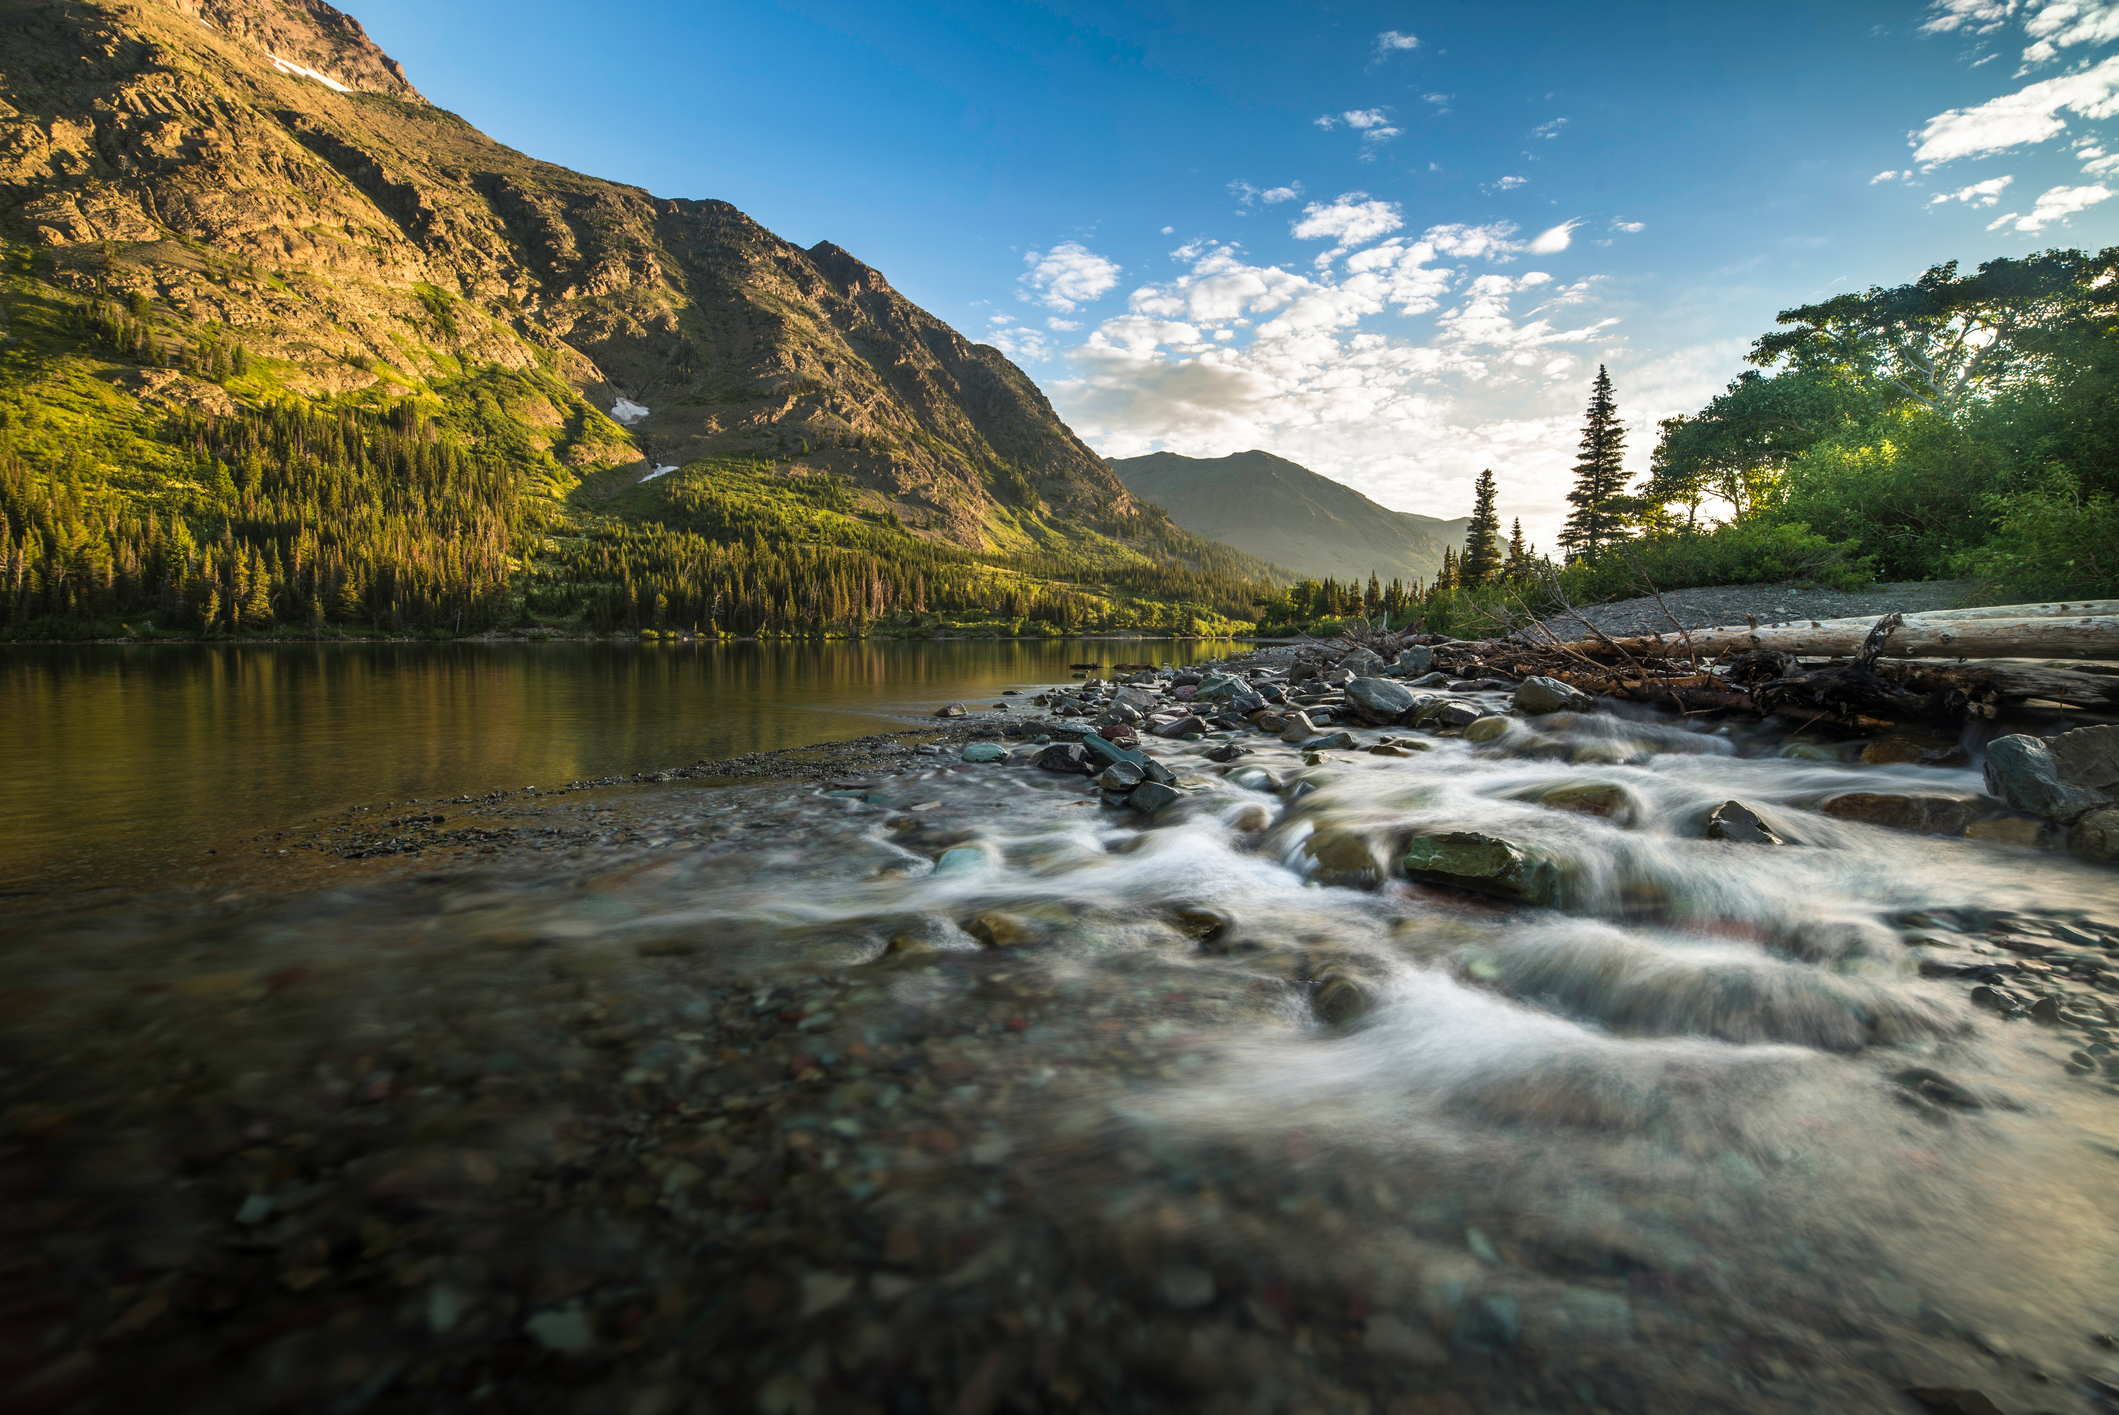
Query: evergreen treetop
[(1600, 477), (1481, 561)]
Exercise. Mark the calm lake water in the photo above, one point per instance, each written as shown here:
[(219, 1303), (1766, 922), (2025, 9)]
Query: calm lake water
[(125, 763)]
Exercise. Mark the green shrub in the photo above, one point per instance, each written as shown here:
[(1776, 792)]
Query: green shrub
[(1757, 551), (1913, 492), (2050, 544)]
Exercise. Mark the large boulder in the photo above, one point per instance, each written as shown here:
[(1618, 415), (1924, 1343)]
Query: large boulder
[(1538, 696), (2095, 837), (2022, 771), (1472, 860), (1378, 700), (1930, 815), (2088, 757), (1413, 662)]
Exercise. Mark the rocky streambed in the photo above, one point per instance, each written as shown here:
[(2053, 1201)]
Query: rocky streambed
[(1139, 1046)]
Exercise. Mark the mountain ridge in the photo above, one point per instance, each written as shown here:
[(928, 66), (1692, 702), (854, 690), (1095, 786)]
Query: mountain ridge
[(1282, 511)]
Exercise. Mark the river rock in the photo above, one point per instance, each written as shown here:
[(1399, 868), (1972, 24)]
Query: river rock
[(1151, 796), (1156, 771), (1486, 729), (1180, 727), (953, 710), (985, 752), (2021, 771), (2095, 837), (1344, 855), (1538, 696), (2088, 758), (1216, 687), (1590, 798), (1065, 756), (1431, 680), (963, 859), (1733, 820), (1105, 753), (2023, 831), (1002, 930), (1473, 860), (1330, 742), (1930, 815), (1121, 777), (1378, 700), (1338, 1000), (1886, 751), (1413, 662), (1456, 714)]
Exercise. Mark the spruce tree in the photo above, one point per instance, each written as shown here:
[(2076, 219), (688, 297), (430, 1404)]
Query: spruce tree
[(1446, 577), (1481, 561), (1518, 551), (1600, 477)]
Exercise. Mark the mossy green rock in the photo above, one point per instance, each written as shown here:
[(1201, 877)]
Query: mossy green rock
[(1473, 860), (1487, 729), (1590, 798)]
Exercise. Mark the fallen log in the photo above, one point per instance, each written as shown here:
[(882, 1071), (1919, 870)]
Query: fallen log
[(1918, 636)]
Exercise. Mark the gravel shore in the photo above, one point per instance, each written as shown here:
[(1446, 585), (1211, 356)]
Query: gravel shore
[(1715, 605)]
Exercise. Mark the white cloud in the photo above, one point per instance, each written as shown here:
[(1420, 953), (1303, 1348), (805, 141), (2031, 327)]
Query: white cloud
[(1441, 101), (1168, 230), (1631, 228), (1506, 184), (1350, 220), (2059, 203), (1987, 193), (1067, 277), (1886, 177), (1391, 41), (2002, 220), (1019, 344), (1554, 239), (2030, 115), (1247, 194), (1969, 16), (1549, 130), (1497, 380), (2060, 24), (1062, 326), (1365, 118)]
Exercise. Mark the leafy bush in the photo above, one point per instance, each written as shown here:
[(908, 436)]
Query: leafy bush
[(2050, 544), (1913, 491), (1740, 553)]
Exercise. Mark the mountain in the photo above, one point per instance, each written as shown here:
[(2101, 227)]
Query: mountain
[(1290, 515), (216, 208)]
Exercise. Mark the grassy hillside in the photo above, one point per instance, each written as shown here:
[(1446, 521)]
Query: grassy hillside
[(276, 356)]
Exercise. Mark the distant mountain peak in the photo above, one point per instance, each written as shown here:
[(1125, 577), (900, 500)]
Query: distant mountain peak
[(308, 39), (1282, 511)]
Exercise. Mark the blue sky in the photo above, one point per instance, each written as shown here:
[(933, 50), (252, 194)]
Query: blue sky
[(1389, 241)]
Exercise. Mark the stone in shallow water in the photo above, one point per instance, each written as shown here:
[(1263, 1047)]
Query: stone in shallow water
[(2096, 836), (1414, 661), (1002, 930), (1344, 855), (1065, 756), (1184, 726), (1454, 714), (953, 710), (1930, 815), (1540, 695), (960, 860), (1378, 700), (1486, 729), (2023, 772), (1121, 777), (1333, 742), (1338, 1000), (985, 752), (1590, 798), (1733, 820), (1151, 796), (1106, 753), (1473, 860)]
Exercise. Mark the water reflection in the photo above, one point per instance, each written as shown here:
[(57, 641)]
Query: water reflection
[(128, 762)]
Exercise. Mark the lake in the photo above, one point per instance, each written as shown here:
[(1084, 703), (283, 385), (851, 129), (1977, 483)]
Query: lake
[(128, 762)]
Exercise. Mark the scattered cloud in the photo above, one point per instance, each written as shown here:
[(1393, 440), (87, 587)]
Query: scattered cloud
[(1247, 194), (1061, 326), (1392, 42), (1631, 228), (1987, 193), (1549, 130), (1352, 219), (1439, 101), (1505, 184), (1168, 230), (2061, 24), (1021, 345), (1554, 239), (1373, 124), (2030, 115), (1967, 16), (1067, 277), (2060, 203), (1887, 177)]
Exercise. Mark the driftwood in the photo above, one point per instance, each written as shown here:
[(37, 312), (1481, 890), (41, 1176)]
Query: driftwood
[(1920, 636)]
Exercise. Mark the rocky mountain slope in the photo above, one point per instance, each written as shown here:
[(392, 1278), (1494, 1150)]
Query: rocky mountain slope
[(258, 170), (1288, 514)]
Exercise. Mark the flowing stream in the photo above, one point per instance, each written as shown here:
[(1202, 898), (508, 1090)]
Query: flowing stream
[(952, 1079)]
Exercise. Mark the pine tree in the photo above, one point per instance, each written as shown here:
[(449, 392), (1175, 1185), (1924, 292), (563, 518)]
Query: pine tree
[(1600, 477), (1518, 552), (1446, 577), (1481, 561)]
